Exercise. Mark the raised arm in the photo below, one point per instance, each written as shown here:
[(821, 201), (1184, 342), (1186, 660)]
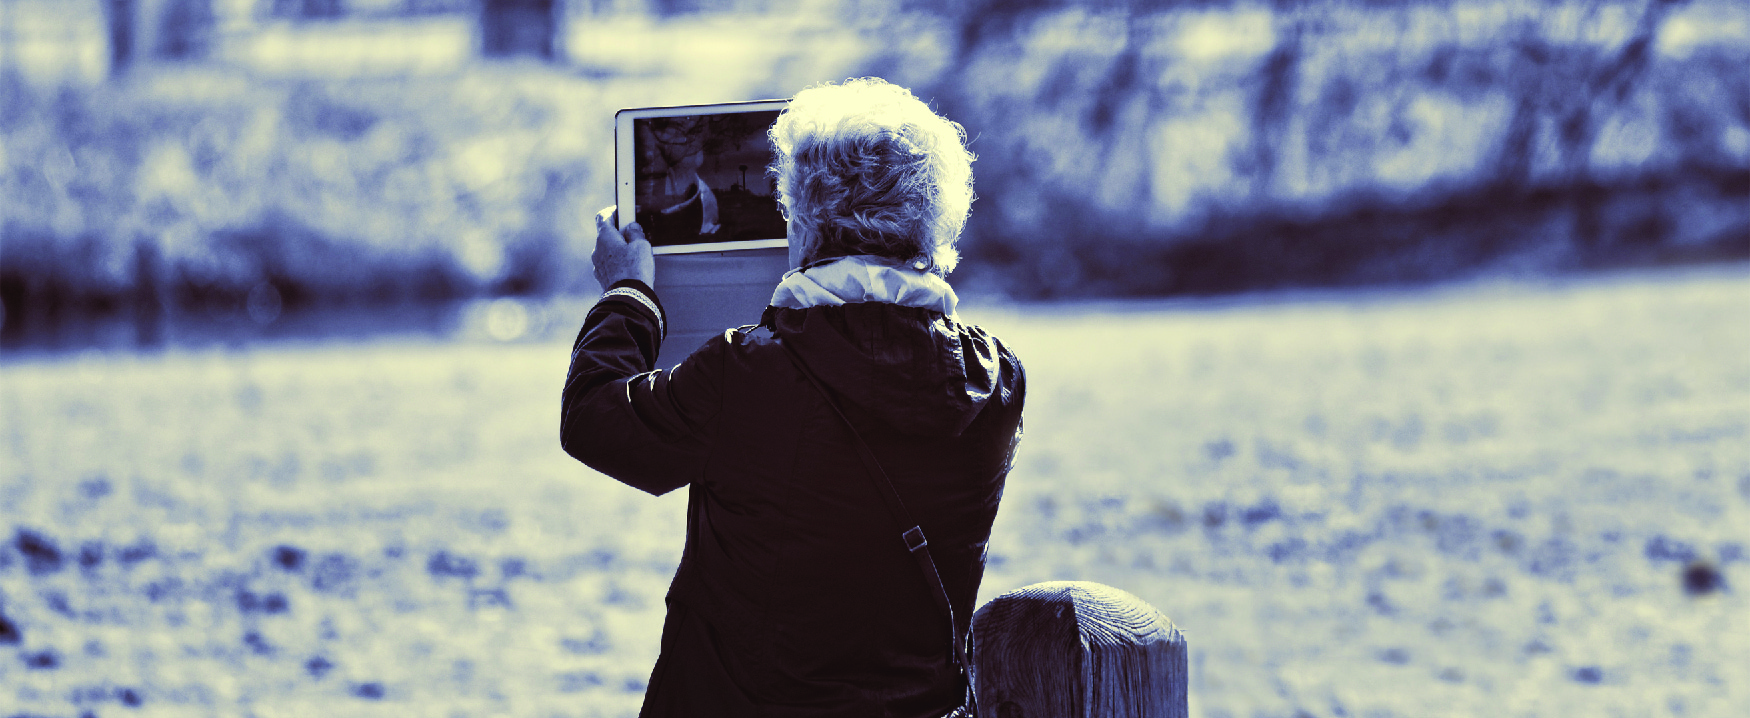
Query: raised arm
[(646, 428)]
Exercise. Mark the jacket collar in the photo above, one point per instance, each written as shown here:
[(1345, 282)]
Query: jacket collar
[(863, 278)]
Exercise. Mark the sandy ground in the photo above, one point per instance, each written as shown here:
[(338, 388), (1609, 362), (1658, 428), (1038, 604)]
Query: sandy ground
[(1482, 499)]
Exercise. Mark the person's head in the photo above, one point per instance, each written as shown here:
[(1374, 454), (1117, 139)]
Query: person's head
[(864, 167)]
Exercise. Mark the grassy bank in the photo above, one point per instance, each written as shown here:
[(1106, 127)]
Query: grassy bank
[(1513, 499)]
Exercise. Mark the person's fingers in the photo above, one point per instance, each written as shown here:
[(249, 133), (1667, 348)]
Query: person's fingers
[(635, 233), (607, 216), (605, 230)]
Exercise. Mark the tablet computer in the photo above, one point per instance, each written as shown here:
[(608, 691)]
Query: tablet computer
[(694, 176)]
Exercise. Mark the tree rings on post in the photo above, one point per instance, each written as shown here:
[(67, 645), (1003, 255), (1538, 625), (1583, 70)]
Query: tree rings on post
[(1076, 648)]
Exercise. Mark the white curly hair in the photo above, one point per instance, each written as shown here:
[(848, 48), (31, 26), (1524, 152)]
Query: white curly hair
[(865, 167)]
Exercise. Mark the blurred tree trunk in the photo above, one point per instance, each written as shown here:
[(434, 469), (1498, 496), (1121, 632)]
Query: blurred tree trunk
[(161, 29), (306, 8), (1113, 117), (121, 34), (1609, 91), (185, 30), (671, 8), (519, 27), (1580, 98), (1273, 108)]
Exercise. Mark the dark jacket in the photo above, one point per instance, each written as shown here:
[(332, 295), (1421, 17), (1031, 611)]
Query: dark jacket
[(795, 595)]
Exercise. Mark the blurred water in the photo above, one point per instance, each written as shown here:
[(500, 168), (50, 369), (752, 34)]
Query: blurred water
[(254, 326)]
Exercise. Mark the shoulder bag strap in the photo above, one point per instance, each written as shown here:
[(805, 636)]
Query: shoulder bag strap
[(913, 535)]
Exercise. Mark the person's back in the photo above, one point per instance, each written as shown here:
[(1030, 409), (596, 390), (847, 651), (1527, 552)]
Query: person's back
[(796, 595)]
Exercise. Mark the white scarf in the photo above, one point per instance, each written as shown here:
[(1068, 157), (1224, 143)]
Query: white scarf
[(862, 278)]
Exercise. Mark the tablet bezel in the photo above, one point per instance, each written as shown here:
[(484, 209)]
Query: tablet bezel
[(625, 159)]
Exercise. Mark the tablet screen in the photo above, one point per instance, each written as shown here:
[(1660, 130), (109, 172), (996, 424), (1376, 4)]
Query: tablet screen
[(698, 181)]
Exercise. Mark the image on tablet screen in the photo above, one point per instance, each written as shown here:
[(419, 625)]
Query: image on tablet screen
[(702, 178)]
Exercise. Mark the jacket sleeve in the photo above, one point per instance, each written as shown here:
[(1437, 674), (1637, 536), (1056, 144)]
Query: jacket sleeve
[(646, 428)]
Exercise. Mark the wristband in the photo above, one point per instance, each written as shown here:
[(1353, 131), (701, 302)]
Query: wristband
[(641, 299)]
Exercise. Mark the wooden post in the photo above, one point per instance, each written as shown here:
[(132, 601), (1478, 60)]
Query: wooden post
[(1076, 648)]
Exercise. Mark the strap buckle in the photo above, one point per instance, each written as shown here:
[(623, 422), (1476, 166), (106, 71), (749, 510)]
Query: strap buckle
[(914, 538)]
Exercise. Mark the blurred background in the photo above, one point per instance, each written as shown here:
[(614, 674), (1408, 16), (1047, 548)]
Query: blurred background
[(1437, 310), (172, 158)]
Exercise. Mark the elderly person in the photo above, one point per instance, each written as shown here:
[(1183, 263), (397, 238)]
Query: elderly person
[(795, 595)]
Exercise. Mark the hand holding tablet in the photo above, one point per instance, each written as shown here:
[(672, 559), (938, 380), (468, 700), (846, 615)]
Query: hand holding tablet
[(621, 255)]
